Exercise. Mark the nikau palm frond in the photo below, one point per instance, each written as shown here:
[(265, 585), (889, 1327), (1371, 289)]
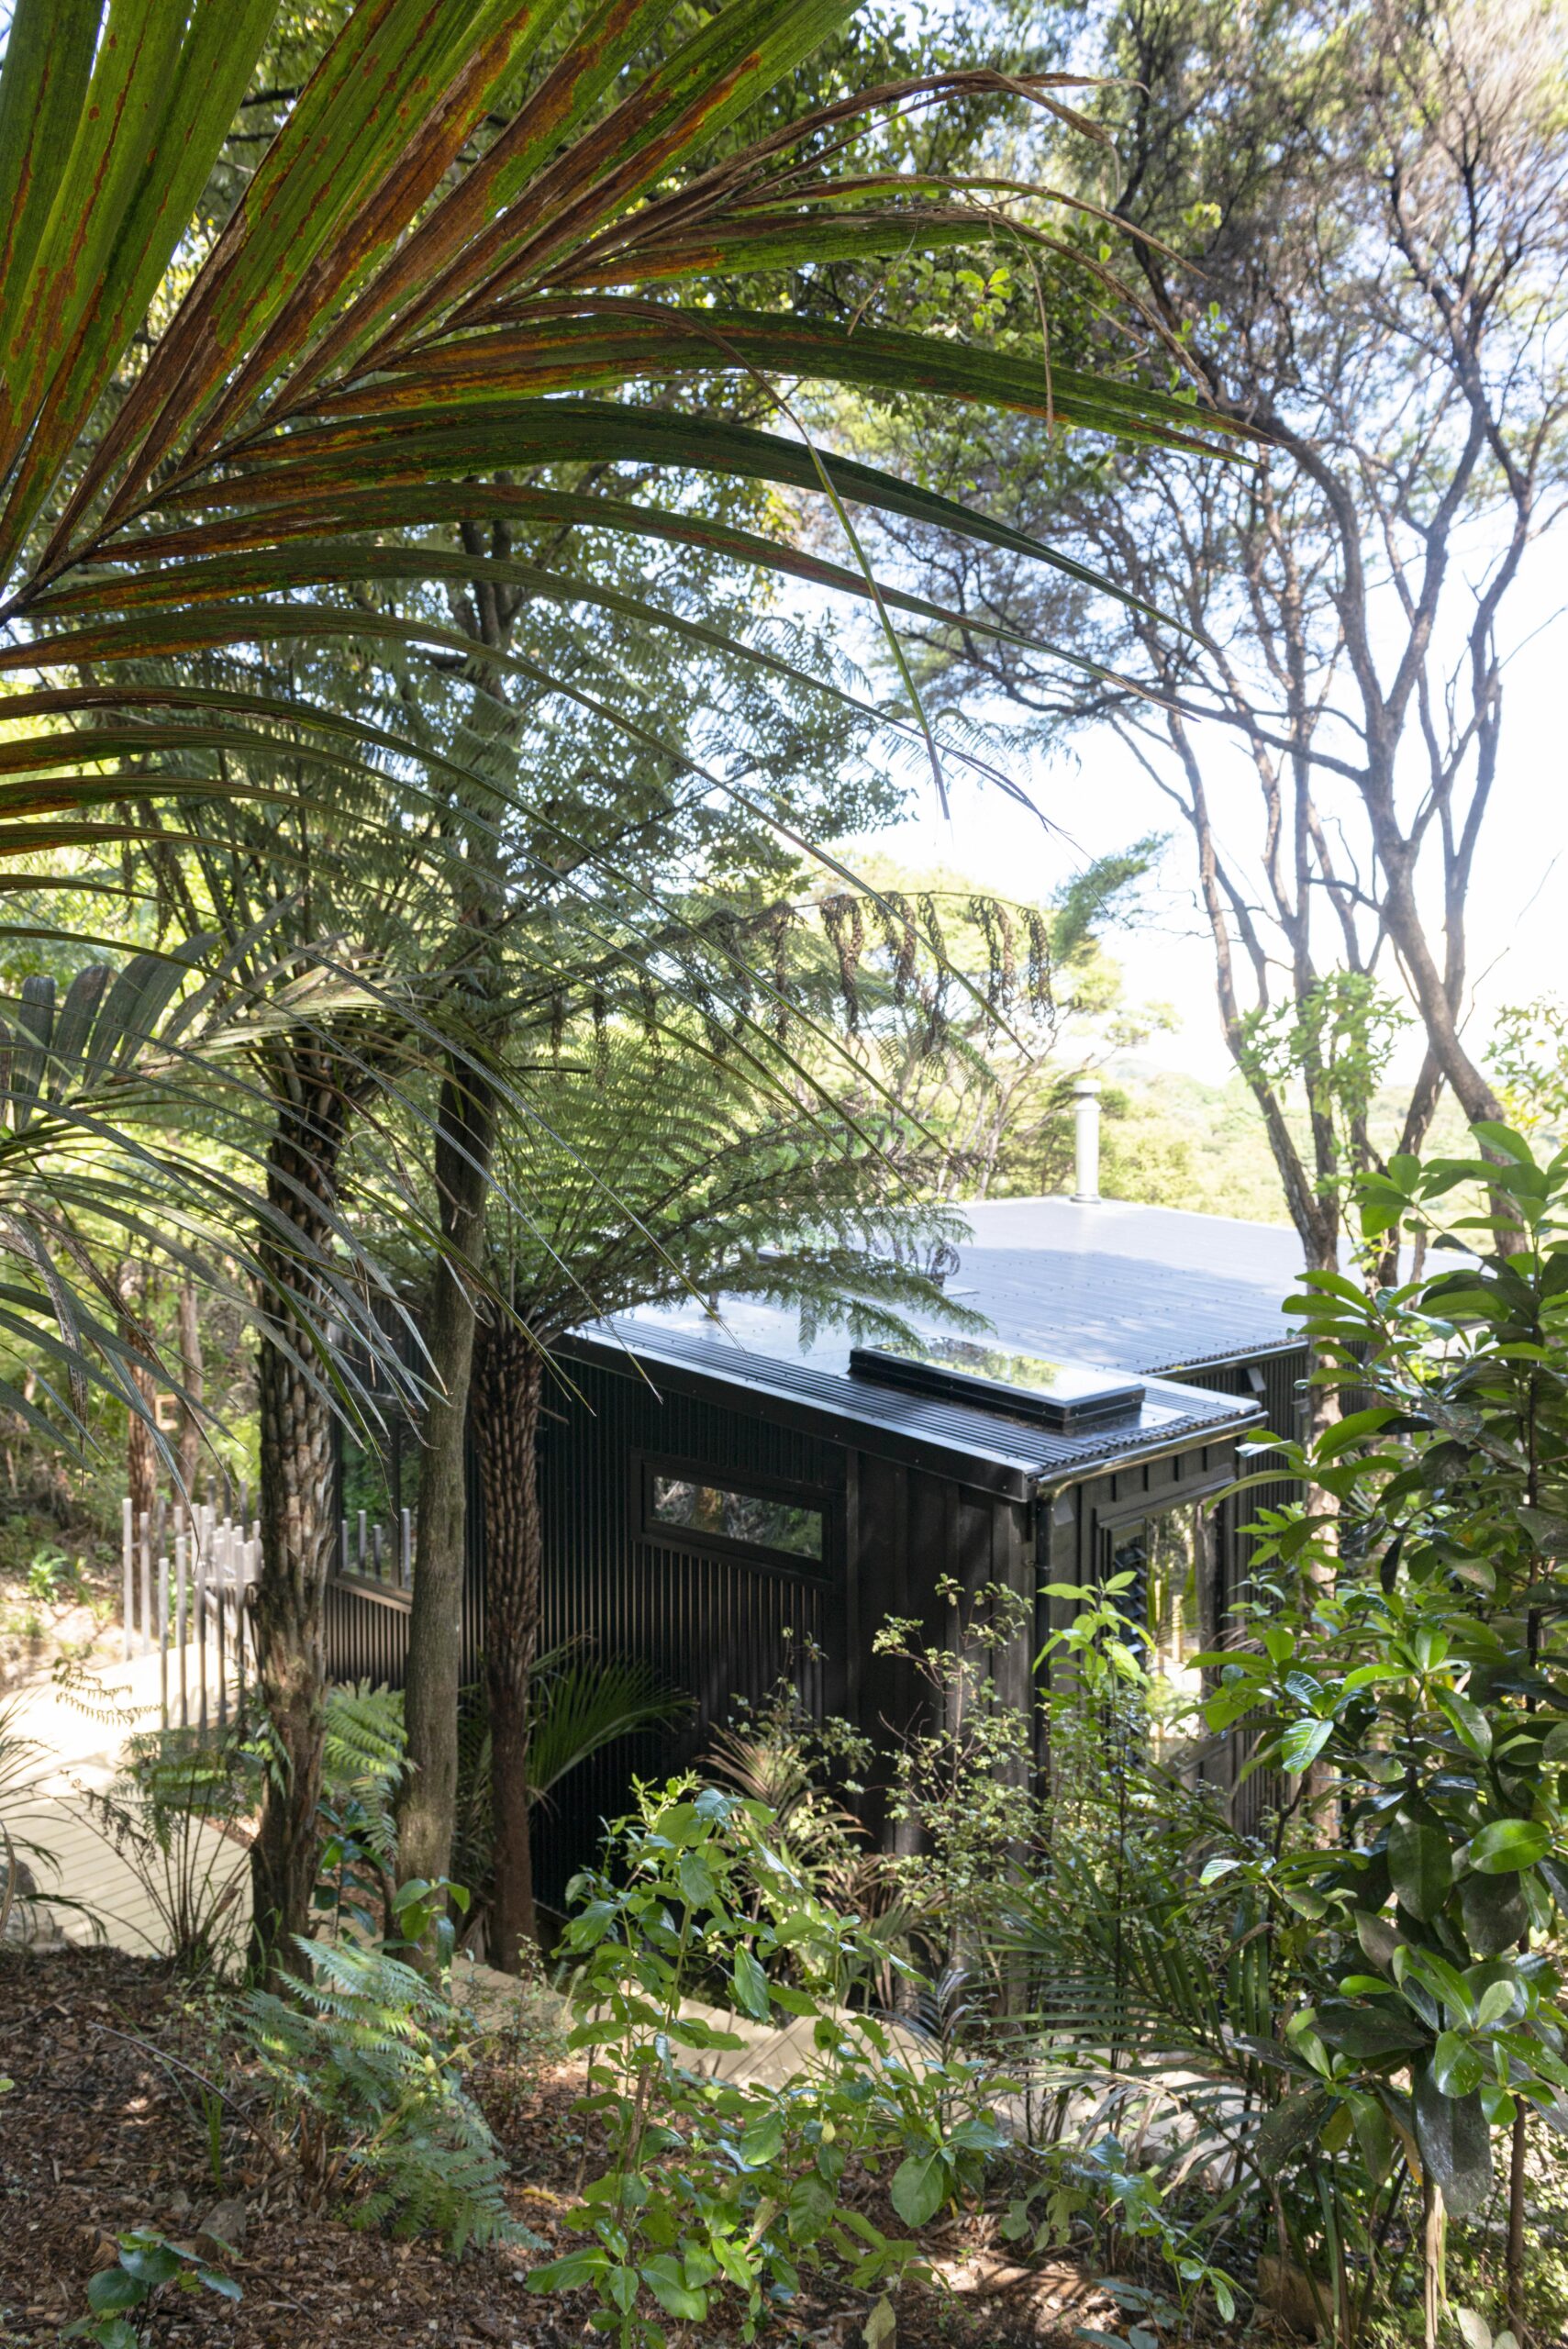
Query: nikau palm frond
[(406, 301)]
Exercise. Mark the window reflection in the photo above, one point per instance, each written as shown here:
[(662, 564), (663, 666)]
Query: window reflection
[(763, 1521), (1173, 1559)]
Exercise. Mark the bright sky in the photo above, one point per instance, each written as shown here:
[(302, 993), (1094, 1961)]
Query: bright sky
[(1099, 800)]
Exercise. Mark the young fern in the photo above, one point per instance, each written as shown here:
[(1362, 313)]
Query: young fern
[(365, 2052)]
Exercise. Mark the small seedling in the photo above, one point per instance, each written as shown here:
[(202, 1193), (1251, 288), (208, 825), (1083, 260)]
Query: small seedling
[(148, 2263)]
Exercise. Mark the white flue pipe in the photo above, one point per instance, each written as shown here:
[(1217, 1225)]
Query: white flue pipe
[(1086, 1142)]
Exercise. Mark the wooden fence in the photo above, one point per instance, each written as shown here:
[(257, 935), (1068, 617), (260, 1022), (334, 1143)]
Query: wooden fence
[(188, 1574)]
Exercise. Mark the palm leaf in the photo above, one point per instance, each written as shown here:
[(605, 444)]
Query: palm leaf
[(377, 268), (427, 278), (583, 1705)]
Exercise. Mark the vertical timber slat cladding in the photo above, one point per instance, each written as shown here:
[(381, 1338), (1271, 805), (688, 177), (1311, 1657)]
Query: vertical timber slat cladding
[(1276, 1383), (722, 1627)]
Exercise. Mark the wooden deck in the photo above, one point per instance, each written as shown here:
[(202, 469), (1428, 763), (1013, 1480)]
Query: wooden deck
[(82, 1744)]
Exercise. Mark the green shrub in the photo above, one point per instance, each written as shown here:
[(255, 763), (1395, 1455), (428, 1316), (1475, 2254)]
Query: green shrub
[(164, 1817), (714, 2187), (147, 2265)]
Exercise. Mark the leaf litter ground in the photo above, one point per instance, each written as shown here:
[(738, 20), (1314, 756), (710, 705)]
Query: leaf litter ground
[(102, 2132)]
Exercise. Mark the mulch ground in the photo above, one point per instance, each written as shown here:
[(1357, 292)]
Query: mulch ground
[(97, 2136)]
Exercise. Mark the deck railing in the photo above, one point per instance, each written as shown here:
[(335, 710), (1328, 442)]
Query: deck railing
[(377, 1550)]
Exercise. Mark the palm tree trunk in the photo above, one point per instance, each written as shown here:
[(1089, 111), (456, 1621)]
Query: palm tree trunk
[(508, 1382), (427, 1814), (296, 1514)]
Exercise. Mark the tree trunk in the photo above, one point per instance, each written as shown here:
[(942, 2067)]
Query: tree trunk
[(427, 1813), (296, 1511), (508, 1378), (191, 1378), (140, 1450)]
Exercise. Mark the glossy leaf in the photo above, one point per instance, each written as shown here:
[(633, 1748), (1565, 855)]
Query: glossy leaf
[(1420, 1862), (919, 2188), (1457, 2069), (1508, 1846), (1455, 2144)]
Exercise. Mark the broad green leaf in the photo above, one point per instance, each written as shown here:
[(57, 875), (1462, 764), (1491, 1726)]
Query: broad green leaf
[(150, 2261), (1455, 2144), (115, 2287), (1368, 2032), (1470, 1723), (1498, 2002), (881, 2328), (1420, 1863), (762, 2140), (749, 1984), (1494, 1910), (1457, 2069), (1302, 1743), (919, 2188), (569, 2274), (1373, 2131), (666, 2280), (1508, 1846)]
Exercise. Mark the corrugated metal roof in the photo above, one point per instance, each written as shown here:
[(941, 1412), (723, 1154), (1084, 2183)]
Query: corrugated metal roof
[(1127, 1287), (1118, 1313), (984, 1448)]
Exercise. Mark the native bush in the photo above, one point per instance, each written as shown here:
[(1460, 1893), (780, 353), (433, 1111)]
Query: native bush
[(1410, 1679), (714, 2187), (363, 2057), (169, 1815), (148, 2265)]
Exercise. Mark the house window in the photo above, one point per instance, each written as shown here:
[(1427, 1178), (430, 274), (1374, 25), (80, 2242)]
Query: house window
[(713, 1515), (1172, 1558)]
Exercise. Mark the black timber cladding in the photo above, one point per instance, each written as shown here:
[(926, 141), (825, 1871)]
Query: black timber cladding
[(714, 1625), (912, 1487)]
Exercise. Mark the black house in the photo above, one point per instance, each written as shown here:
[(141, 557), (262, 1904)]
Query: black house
[(727, 1501)]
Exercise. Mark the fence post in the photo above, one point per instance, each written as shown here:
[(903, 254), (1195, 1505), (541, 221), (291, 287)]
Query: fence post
[(163, 1635), (405, 1548), (145, 1583), (127, 1555), (241, 1590), (222, 1671), (182, 1624), (204, 1556)]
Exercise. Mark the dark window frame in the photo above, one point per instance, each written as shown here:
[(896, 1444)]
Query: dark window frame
[(753, 1485)]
